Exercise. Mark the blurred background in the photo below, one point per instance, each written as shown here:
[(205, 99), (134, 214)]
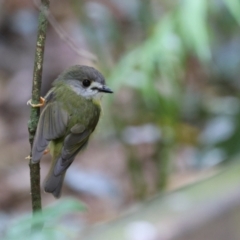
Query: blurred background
[(174, 117)]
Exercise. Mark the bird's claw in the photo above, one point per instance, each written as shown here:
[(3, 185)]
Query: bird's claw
[(46, 151), (42, 102), (28, 157)]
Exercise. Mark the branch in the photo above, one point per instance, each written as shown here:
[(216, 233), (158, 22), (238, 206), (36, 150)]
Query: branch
[(35, 112)]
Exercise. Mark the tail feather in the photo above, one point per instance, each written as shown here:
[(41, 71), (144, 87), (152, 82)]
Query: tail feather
[(53, 183)]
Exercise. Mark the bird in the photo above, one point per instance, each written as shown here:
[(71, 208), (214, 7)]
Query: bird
[(71, 112)]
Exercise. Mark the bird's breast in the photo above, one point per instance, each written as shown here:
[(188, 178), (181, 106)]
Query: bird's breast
[(79, 109)]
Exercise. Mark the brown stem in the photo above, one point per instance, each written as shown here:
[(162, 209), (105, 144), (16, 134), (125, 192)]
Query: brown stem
[(35, 112)]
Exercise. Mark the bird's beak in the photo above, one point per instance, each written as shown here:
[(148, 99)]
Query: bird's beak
[(105, 89)]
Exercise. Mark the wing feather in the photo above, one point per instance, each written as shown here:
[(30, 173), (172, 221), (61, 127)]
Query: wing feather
[(52, 125), (73, 143)]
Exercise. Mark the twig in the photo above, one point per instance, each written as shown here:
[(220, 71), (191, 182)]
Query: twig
[(35, 112), (61, 33)]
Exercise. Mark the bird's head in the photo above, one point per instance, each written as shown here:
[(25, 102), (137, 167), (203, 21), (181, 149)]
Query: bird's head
[(85, 81)]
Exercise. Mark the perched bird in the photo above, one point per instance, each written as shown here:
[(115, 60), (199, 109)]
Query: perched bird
[(71, 113)]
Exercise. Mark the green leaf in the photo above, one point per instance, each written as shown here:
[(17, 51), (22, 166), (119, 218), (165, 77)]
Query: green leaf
[(234, 8), (50, 215), (192, 19)]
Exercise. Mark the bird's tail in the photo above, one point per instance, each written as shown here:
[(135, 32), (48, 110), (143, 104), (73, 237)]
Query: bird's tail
[(53, 183)]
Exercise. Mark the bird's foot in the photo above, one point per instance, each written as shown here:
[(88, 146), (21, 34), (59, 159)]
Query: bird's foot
[(42, 102), (46, 151), (28, 157)]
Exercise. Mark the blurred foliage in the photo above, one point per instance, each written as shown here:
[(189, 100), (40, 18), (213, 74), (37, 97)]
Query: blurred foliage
[(50, 218), (160, 66)]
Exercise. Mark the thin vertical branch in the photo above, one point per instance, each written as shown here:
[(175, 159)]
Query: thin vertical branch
[(35, 112)]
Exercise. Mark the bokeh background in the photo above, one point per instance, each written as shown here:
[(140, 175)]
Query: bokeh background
[(174, 117)]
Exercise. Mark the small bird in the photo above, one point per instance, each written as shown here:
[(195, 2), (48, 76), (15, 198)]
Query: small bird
[(71, 113)]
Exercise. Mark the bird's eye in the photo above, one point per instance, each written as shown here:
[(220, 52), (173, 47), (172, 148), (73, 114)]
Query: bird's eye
[(86, 83)]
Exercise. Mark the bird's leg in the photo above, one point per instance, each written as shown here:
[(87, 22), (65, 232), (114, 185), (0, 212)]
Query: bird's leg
[(46, 151), (42, 102)]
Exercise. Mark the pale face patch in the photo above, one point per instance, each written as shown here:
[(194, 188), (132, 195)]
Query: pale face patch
[(87, 92)]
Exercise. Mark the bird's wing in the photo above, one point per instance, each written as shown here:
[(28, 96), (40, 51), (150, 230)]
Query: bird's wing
[(73, 143), (52, 125)]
